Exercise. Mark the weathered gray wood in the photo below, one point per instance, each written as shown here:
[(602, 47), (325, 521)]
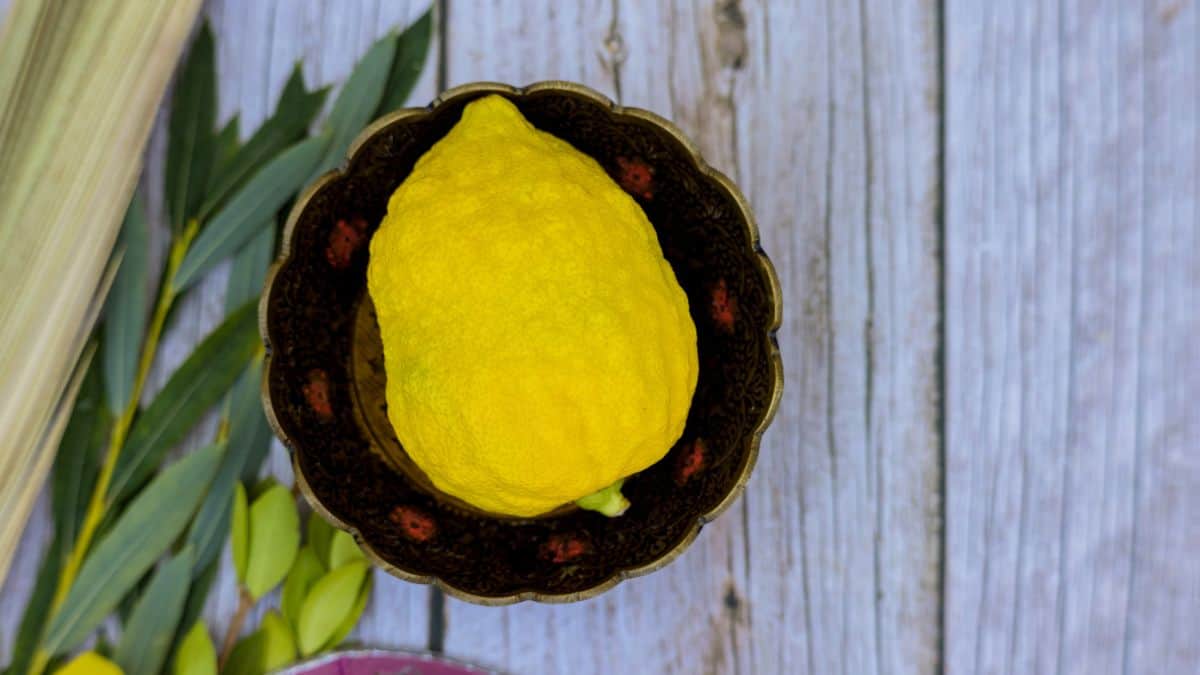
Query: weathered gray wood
[(1073, 439), (827, 118), (258, 44), (839, 137)]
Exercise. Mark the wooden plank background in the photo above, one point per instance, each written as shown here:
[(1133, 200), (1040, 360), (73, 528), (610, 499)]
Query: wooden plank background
[(1073, 368), (984, 221)]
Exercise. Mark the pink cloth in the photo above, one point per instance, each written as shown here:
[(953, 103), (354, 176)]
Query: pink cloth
[(384, 663)]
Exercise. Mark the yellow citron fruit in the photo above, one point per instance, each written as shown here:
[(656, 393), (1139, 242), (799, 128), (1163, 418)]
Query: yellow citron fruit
[(537, 345), (89, 663)]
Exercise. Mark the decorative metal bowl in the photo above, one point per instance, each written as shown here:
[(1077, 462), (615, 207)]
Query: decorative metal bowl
[(323, 386)]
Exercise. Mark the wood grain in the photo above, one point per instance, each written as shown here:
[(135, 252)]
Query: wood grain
[(1073, 472), (840, 161), (830, 563)]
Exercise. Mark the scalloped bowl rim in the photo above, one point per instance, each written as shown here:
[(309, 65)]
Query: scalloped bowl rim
[(764, 264)]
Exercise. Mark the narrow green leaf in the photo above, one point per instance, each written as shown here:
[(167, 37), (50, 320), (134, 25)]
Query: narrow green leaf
[(351, 620), (190, 131), (274, 539), (249, 435), (240, 532), (249, 268), (248, 425), (320, 538), (147, 527), (211, 524), (37, 609), (145, 642), (202, 581), (247, 656), (327, 606), (196, 386), (196, 654), (212, 521), (293, 114), (77, 462), (411, 53), (125, 607), (251, 208), (125, 310), (279, 647), (226, 146), (343, 549), (306, 569), (356, 103)]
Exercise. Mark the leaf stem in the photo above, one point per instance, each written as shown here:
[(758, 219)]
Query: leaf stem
[(99, 502), (245, 603)]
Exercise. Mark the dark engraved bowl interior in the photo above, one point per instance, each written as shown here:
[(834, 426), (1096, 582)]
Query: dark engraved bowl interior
[(323, 386)]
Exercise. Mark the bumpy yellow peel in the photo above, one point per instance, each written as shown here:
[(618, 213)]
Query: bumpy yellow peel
[(537, 345)]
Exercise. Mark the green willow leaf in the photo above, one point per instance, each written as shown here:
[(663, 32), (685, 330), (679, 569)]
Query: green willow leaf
[(196, 654), (147, 527), (249, 269), (343, 549), (212, 521), (356, 103), (147, 637), (251, 208), (125, 310), (305, 572), (190, 146), (37, 609), (320, 537), (411, 53), (274, 538), (239, 535), (249, 433), (279, 646), (248, 425), (211, 524), (351, 620), (125, 607), (202, 581), (293, 114), (226, 146), (327, 606), (77, 462), (195, 386)]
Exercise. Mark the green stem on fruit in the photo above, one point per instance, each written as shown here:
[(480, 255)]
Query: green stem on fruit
[(608, 501)]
